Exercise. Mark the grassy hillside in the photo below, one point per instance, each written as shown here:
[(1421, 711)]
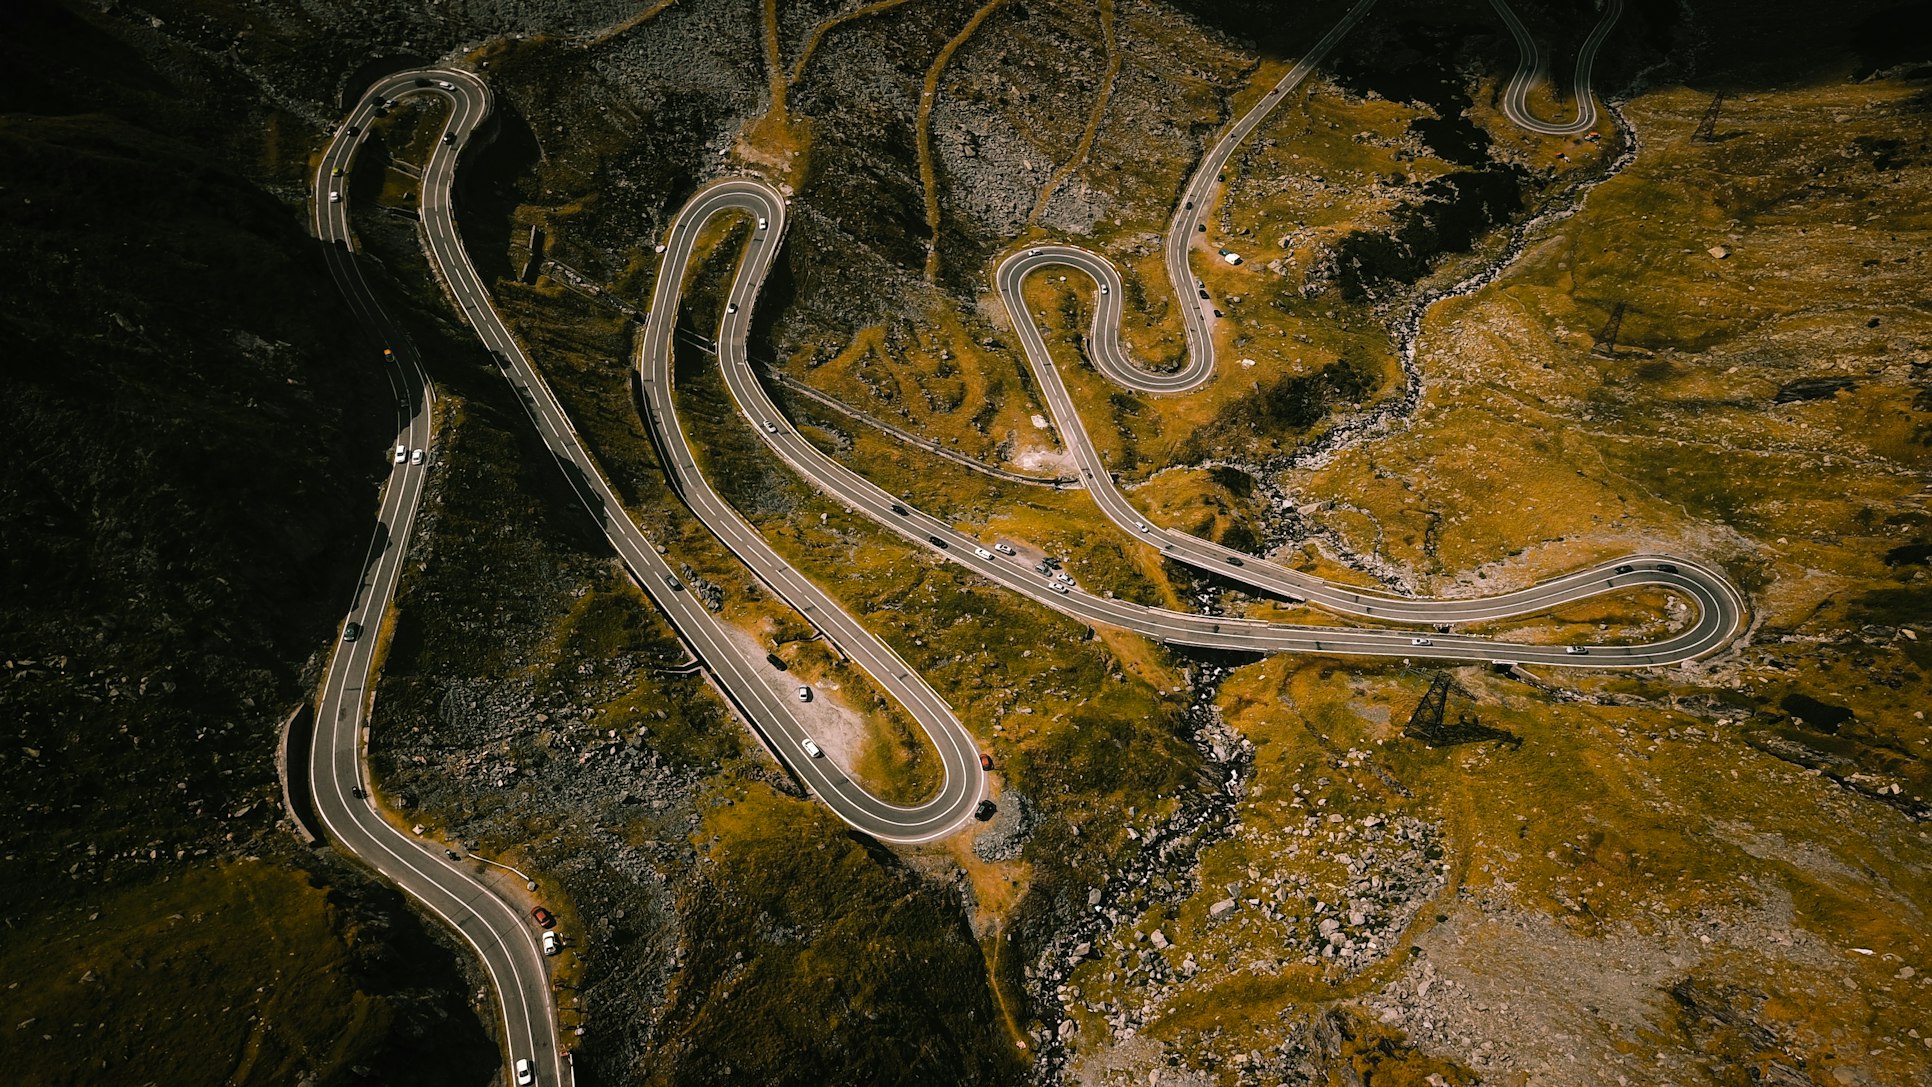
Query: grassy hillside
[(193, 441)]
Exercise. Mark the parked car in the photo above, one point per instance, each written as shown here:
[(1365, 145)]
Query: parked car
[(552, 943), (985, 761), (543, 917), (1004, 549), (984, 811), (804, 694)]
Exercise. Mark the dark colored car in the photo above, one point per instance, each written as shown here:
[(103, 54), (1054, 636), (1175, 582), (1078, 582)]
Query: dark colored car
[(898, 509), (1625, 569), (351, 632), (1666, 567), (1232, 561), (421, 82), (984, 811), (543, 917), (985, 761), (936, 541)]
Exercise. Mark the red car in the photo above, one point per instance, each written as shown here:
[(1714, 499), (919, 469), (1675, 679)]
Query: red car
[(985, 761), (544, 917)]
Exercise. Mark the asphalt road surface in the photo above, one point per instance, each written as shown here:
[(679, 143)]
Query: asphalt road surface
[(1533, 68), (503, 937), (1720, 607)]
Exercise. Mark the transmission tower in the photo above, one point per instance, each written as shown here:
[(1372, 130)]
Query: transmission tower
[(1707, 128), (1607, 339), (1426, 722)]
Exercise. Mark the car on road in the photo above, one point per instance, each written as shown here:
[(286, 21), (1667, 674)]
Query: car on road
[(674, 583), (1233, 561), (543, 917), (351, 632), (936, 541), (402, 453), (900, 510), (982, 553), (804, 694), (415, 456), (422, 81), (1625, 569), (335, 197), (811, 747), (337, 172), (771, 427), (1004, 549), (526, 1075), (1057, 587), (1576, 650), (1420, 641), (353, 129), (1103, 288), (449, 137), (446, 84), (985, 761), (552, 943), (762, 224), (402, 405), (1143, 526), (731, 307), (1667, 567)]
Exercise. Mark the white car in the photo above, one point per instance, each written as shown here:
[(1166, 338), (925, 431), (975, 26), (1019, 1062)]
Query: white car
[(446, 84), (811, 747), (552, 943), (1057, 587), (415, 456), (804, 694), (1143, 526), (731, 307), (1103, 288), (771, 427), (1062, 575), (762, 224), (335, 197), (1004, 549), (1419, 641), (526, 1075), (982, 553), (402, 453), (1576, 650)]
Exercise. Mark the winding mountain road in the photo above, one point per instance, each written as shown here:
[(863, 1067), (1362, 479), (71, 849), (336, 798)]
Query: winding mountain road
[(495, 928), (1533, 69), (498, 931)]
